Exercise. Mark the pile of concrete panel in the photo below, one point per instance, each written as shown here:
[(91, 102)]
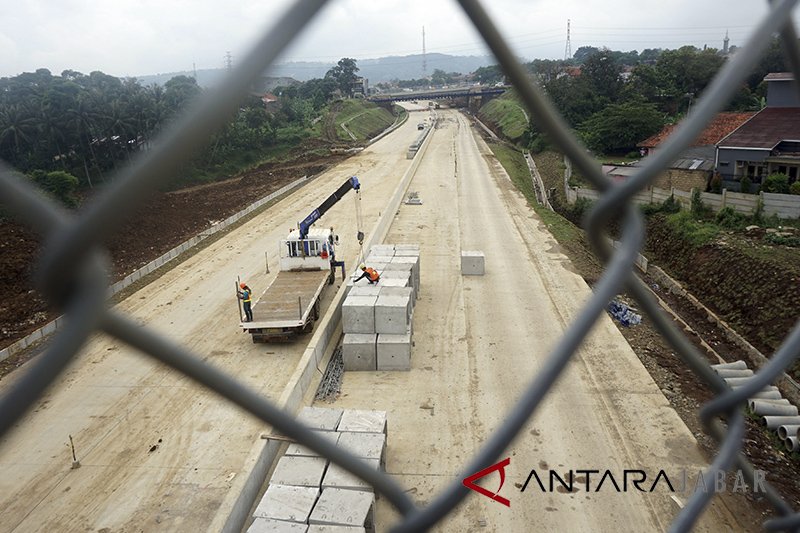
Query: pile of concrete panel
[(377, 319), (309, 494), (776, 412)]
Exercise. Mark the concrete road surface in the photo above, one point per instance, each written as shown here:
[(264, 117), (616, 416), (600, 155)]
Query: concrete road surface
[(157, 452), (478, 341)]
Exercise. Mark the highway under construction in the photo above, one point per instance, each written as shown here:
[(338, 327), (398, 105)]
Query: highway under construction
[(157, 452)]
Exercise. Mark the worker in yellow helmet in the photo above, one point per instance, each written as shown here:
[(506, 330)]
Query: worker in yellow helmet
[(246, 295), (370, 273)]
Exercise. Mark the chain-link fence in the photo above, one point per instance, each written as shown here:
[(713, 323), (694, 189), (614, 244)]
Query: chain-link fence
[(72, 272)]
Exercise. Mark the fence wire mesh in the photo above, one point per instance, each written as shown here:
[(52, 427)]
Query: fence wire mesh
[(72, 271)]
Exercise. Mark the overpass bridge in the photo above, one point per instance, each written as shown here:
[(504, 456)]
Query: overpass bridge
[(440, 94)]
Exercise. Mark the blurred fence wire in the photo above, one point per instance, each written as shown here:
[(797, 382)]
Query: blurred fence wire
[(72, 271)]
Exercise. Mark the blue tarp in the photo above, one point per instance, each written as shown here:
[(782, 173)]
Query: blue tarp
[(623, 313)]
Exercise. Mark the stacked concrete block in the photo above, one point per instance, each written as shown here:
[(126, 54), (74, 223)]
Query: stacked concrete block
[(320, 418), (311, 494), (270, 525), (287, 503), (370, 446), (368, 290), (472, 263), (302, 451), (386, 250), (335, 529), (358, 313), (359, 351), (414, 262), (393, 352), (340, 478), (344, 507), (363, 421), (392, 314), (299, 471)]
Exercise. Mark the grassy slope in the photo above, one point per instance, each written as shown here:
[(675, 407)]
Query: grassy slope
[(506, 112), (363, 118)]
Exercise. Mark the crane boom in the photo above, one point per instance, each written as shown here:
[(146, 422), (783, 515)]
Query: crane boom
[(316, 214)]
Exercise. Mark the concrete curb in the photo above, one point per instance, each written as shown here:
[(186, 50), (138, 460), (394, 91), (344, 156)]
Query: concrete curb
[(54, 325), (315, 358)]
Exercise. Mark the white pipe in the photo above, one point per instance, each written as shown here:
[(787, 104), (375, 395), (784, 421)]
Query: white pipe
[(751, 402), (766, 395), (788, 430), (738, 365), (774, 422), (764, 408), (726, 373), (791, 444), (739, 382)]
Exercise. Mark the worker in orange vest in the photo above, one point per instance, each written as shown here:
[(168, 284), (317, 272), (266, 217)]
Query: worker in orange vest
[(370, 273)]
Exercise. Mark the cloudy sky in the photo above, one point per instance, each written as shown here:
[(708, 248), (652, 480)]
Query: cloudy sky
[(139, 37)]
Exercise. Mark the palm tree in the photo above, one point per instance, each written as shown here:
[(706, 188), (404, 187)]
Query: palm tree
[(17, 130)]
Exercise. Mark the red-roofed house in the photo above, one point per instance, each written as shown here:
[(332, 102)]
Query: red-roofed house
[(767, 143), (693, 167)]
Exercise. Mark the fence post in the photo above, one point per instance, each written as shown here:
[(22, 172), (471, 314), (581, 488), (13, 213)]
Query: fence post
[(651, 195), (724, 199)]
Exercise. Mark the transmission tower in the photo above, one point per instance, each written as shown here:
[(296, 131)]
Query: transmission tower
[(568, 48), (424, 58), (228, 60)]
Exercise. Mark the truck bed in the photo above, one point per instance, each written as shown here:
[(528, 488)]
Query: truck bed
[(289, 300)]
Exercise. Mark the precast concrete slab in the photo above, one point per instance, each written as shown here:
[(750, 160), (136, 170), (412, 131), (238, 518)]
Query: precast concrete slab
[(321, 418), (365, 445), (358, 314), (342, 507), (393, 352), (394, 282), (299, 471), (296, 449), (373, 259), (363, 421), (288, 503), (358, 351), (392, 313), (337, 477), (335, 529), (267, 525), (472, 263)]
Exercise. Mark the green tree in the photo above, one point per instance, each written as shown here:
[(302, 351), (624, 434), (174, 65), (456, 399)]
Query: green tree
[(59, 184), (618, 127), (344, 73), (778, 183), (488, 75)]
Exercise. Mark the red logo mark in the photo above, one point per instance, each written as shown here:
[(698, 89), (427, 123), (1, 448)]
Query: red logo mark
[(469, 482)]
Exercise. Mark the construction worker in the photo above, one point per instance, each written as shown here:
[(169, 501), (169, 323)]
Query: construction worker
[(246, 295), (370, 273)]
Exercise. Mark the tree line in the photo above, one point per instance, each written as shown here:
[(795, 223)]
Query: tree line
[(73, 130)]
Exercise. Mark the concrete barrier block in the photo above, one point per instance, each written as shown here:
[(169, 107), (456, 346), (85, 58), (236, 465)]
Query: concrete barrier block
[(340, 478), (472, 263), (363, 421), (296, 449), (393, 352), (358, 314), (400, 291), (415, 267), (299, 471), (284, 502), (269, 525), (382, 249), (373, 259), (342, 507), (358, 351), (406, 247), (320, 418), (392, 313), (365, 445)]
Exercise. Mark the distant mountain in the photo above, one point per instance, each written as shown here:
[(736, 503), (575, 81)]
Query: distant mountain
[(375, 70)]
